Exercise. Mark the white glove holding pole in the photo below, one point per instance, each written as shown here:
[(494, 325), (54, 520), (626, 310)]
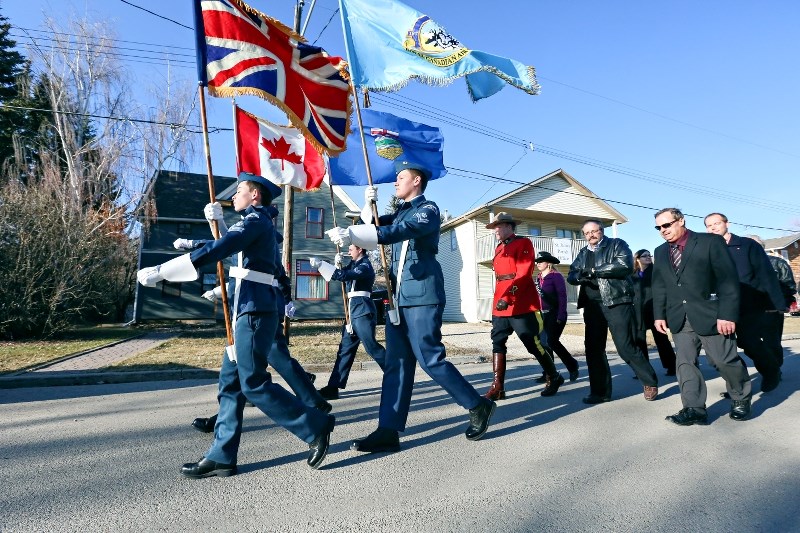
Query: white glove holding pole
[(339, 236), (338, 261), (213, 212), (370, 197), (290, 309)]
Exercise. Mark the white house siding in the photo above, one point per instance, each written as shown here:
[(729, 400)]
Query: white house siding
[(545, 198), (459, 273)]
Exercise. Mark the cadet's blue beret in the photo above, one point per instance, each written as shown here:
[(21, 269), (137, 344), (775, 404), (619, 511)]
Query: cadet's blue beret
[(405, 164), (273, 190)]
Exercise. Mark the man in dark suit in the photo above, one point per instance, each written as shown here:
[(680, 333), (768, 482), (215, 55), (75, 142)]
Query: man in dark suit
[(696, 296)]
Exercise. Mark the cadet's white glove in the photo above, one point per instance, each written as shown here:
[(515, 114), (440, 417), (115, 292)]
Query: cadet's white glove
[(290, 309), (339, 236), (314, 262), (213, 295), (183, 244), (338, 261), (370, 194), (213, 211), (150, 276)]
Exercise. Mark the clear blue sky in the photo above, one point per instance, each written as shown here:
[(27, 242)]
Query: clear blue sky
[(698, 99)]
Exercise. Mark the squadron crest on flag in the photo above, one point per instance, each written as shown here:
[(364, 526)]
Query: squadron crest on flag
[(432, 42)]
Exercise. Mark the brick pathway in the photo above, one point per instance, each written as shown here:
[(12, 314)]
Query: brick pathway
[(112, 354)]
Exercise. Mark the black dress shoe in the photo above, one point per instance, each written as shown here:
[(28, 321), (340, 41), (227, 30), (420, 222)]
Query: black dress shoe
[(479, 419), (324, 406), (541, 379), (207, 468), (329, 393), (688, 416), (552, 385), (573, 375), (318, 448), (205, 425), (595, 398), (740, 409), (380, 440), (769, 383)]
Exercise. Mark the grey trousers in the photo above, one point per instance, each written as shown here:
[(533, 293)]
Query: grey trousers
[(721, 352)]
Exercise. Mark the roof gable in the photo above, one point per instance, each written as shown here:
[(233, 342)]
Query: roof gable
[(185, 194), (779, 243)]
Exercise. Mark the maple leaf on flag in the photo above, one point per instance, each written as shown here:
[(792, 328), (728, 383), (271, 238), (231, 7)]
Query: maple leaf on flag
[(279, 149)]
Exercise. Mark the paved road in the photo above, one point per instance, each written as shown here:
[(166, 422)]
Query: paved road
[(106, 458)]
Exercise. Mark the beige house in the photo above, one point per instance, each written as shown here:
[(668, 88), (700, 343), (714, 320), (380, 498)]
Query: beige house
[(550, 211)]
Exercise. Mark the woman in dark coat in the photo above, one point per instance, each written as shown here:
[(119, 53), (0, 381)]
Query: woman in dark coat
[(643, 311)]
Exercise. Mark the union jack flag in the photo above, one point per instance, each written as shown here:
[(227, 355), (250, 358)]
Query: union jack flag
[(242, 51)]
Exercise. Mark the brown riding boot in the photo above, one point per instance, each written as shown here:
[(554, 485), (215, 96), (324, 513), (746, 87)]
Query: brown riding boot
[(497, 390)]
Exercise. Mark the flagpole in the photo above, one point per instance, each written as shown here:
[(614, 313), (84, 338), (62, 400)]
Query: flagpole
[(214, 226), (338, 251)]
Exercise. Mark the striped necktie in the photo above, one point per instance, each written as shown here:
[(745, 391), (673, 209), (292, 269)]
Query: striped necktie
[(675, 256)]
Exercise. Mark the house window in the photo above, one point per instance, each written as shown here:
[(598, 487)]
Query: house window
[(453, 241), (785, 254), (315, 218), (209, 281), (535, 231), (170, 290), (563, 233), (184, 228), (310, 284)]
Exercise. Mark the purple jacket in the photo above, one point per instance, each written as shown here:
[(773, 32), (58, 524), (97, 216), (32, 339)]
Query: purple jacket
[(554, 294)]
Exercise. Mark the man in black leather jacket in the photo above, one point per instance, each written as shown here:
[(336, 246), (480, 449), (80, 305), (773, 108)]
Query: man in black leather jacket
[(602, 269)]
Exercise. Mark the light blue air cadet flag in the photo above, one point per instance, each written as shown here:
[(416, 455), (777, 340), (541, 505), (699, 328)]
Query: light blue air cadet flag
[(388, 137), (389, 43)]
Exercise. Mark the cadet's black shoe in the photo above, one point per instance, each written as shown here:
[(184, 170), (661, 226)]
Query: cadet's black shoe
[(688, 416), (573, 375), (479, 419), (380, 440), (595, 398), (768, 383), (552, 385), (740, 409), (329, 393), (324, 406), (541, 379), (207, 468), (311, 377), (205, 425), (318, 448)]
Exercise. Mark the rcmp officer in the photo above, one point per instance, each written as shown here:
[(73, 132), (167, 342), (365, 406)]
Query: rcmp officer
[(279, 357), (413, 332), (359, 277), (243, 375), (516, 307)]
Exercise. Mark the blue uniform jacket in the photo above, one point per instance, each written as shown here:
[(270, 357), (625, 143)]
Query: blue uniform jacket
[(418, 222), (358, 276), (254, 236)]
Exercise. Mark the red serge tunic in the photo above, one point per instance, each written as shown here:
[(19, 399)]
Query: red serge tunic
[(513, 269)]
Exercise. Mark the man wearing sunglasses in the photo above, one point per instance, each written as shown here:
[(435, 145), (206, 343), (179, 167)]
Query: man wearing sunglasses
[(603, 268), (696, 297), (761, 297)]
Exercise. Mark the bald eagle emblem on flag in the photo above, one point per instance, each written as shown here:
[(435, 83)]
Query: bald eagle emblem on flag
[(432, 42)]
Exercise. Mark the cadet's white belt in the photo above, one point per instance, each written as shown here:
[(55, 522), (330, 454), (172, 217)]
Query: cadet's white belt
[(275, 283), (353, 294), (251, 275)]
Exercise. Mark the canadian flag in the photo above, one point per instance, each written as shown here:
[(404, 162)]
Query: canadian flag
[(280, 154)]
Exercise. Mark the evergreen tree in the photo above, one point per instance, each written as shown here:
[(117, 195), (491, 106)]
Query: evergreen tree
[(12, 66)]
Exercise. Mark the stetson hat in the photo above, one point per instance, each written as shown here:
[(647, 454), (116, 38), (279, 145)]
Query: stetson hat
[(501, 218), (547, 257)]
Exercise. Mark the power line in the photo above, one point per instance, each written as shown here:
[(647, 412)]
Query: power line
[(157, 15), (105, 38)]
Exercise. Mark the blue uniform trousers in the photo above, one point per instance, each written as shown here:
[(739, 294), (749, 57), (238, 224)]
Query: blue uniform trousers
[(418, 338), (248, 379), (363, 332), (291, 371)]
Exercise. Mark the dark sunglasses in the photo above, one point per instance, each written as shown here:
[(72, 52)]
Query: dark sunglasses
[(665, 226)]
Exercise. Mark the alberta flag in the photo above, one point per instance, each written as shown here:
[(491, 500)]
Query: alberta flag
[(280, 154), (390, 43), (241, 51), (388, 137)]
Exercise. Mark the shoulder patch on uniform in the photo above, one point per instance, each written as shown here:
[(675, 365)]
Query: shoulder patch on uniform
[(430, 206), (251, 215), (239, 226)]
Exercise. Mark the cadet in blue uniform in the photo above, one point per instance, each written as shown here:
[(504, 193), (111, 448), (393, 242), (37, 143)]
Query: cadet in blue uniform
[(413, 332), (243, 375), (359, 277), (279, 357)]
